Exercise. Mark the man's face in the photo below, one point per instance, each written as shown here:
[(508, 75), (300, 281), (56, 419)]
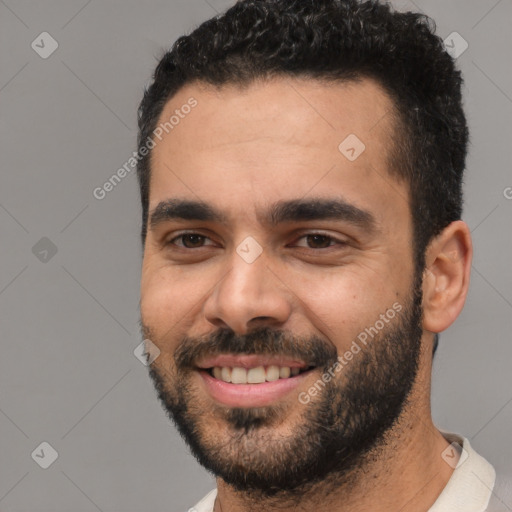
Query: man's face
[(275, 280)]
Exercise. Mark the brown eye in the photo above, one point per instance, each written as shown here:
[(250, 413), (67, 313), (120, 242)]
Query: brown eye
[(318, 241), (189, 240), (195, 240)]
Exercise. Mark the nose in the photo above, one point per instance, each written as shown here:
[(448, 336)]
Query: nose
[(250, 295)]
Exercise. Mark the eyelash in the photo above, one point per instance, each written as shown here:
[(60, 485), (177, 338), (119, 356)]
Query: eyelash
[(314, 233)]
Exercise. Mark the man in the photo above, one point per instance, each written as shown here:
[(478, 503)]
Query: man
[(300, 174)]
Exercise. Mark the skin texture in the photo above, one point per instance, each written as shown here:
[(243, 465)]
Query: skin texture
[(240, 151)]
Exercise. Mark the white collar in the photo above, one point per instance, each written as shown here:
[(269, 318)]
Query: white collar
[(470, 486)]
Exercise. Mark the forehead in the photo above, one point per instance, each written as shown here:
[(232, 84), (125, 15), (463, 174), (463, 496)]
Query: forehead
[(278, 137), (281, 108)]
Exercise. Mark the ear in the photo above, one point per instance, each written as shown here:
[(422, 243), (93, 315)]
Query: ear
[(446, 277)]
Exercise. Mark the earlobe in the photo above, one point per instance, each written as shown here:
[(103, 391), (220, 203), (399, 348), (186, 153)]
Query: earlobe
[(446, 276)]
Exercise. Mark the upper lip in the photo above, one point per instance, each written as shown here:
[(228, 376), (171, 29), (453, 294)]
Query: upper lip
[(250, 361)]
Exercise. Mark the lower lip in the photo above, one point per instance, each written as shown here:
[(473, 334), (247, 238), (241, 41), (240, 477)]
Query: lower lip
[(250, 395)]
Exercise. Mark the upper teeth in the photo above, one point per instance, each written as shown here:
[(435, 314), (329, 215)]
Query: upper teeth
[(238, 375)]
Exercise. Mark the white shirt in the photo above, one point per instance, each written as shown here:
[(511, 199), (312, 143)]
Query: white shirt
[(469, 489)]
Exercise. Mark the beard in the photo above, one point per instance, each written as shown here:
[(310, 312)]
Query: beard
[(324, 442)]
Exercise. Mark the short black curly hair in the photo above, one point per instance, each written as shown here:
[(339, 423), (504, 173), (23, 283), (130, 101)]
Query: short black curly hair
[(340, 40)]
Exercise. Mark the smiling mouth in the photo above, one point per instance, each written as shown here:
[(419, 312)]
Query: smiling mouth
[(255, 375), (252, 380)]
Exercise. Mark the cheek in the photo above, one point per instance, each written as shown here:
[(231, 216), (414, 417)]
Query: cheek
[(170, 300), (161, 313), (345, 302), (162, 301)]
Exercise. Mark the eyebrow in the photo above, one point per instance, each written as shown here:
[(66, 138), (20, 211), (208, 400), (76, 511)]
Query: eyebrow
[(183, 209), (295, 210), (320, 209)]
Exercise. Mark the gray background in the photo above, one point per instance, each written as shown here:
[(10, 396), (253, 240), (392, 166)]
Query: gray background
[(69, 325)]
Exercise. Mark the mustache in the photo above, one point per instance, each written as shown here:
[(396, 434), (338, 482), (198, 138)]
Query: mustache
[(313, 350)]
